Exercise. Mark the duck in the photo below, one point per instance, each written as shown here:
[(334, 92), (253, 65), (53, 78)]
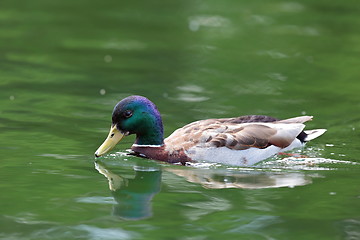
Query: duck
[(237, 141)]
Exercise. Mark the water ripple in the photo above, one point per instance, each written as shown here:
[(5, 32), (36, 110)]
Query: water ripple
[(84, 231), (199, 209), (307, 163), (97, 200), (196, 22)]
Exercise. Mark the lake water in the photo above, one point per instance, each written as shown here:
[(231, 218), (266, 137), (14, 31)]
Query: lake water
[(65, 64)]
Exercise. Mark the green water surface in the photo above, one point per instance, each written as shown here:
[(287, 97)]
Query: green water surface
[(65, 64)]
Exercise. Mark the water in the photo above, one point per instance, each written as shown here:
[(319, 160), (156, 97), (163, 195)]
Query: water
[(64, 65)]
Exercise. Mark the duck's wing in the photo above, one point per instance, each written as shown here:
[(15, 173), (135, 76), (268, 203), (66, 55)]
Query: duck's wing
[(257, 135), (235, 134)]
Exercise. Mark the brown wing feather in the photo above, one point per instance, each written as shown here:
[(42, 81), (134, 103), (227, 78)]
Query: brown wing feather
[(199, 132), (245, 137)]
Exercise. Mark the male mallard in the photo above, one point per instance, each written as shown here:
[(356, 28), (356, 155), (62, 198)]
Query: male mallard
[(237, 141)]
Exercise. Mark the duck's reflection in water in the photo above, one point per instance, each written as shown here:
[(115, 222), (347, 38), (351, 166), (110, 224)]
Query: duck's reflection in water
[(245, 179), (133, 195)]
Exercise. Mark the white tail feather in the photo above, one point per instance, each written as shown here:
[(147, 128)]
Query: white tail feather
[(312, 134), (300, 119)]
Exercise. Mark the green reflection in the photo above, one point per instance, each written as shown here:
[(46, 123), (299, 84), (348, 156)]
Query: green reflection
[(133, 195)]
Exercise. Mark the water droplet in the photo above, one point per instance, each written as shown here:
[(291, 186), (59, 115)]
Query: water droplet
[(102, 91)]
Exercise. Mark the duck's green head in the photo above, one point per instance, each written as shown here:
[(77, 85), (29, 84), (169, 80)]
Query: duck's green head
[(134, 115)]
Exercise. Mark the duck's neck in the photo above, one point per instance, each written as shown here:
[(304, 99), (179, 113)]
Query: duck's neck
[(155, 139), (152, 133)]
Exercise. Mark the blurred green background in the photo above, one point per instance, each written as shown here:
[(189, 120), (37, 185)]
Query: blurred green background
[(65, 64)]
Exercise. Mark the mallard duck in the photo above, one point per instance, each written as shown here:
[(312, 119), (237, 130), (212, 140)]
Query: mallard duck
[(240, 141)]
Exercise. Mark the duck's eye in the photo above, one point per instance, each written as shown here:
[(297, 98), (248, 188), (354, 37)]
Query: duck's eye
[(128, 113)]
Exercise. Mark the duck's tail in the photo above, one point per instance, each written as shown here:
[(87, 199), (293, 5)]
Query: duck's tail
[(312, 134)]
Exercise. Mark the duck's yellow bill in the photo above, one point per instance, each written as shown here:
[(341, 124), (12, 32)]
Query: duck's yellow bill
[(112, 139)]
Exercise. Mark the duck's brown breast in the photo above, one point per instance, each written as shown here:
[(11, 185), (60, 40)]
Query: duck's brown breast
[(159, 153)]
